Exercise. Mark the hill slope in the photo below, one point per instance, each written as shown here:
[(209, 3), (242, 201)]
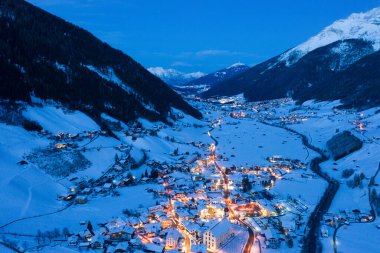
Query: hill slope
[(50, 58)]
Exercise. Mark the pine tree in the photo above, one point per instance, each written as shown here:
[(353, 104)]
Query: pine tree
[(154, 173), (373, 195), (90, 228)]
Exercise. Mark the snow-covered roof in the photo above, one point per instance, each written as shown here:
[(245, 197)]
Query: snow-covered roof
[(154, 247), (198, 248), (173, 233), (221, 228)]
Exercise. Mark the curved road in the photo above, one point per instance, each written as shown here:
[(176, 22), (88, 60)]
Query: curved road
[(251, 237)]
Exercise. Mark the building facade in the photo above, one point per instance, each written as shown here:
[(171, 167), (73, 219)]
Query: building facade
[(218, 235)]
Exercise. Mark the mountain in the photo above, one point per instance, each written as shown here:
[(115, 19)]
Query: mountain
[(204, 83), (174, 77), (363, 26), (328, 66), (46, 57)]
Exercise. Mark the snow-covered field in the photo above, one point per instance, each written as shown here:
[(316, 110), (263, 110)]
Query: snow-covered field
[(251, 142), (56, 120), (97, 211), (25, 190)]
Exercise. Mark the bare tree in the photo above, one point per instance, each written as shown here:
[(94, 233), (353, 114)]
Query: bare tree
[(56, 233), (65, 232), (39, 236)]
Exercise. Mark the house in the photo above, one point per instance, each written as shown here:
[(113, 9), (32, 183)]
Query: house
[(182, 214), (122, 233), (160, 215), (85, 235), (154, 209), (119, 222), (84, 245), (82, 184), (107, 186), (81, 199), (166, 223), (153, 248), (86, 191), (97, 244), (195, 230), (324, 232), (121, 247), (72, 240), (218, 235), (152, 229), (172, 238), (134, 221), (136, 242), (143, 220), (273, 243)]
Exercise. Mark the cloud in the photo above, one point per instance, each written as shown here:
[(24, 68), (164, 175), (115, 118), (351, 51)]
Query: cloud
[(182, 58), (215, 52), (181, 64)]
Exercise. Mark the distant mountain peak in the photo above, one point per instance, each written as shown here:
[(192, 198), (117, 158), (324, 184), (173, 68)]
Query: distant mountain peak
[(237, 64), (364, 26), (173, 76), (204, 83)]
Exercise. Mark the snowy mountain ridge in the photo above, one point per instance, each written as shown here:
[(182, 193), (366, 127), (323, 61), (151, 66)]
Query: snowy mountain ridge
[(204, 83), (364, 26), (173, 76), (235, 65)]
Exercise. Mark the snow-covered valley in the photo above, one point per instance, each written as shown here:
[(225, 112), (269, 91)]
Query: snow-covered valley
[(148, 182)]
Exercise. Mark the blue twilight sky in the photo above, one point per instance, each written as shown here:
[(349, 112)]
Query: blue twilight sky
[(203, 35)]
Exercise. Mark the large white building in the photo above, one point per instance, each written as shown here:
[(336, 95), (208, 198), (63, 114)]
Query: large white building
[(172, 238), (218, 235)]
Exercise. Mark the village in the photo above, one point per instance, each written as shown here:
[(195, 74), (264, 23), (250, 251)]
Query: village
[(196, 209)]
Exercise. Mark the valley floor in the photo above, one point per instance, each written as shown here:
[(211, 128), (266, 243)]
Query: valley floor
[(155, 187)]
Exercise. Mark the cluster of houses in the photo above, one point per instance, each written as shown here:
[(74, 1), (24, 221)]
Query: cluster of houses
[(292, 118), (194, 214), (68, 140)]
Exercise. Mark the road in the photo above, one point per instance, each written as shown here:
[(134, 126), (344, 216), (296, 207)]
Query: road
[(180, 228), (251, 237), (334, 236)]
